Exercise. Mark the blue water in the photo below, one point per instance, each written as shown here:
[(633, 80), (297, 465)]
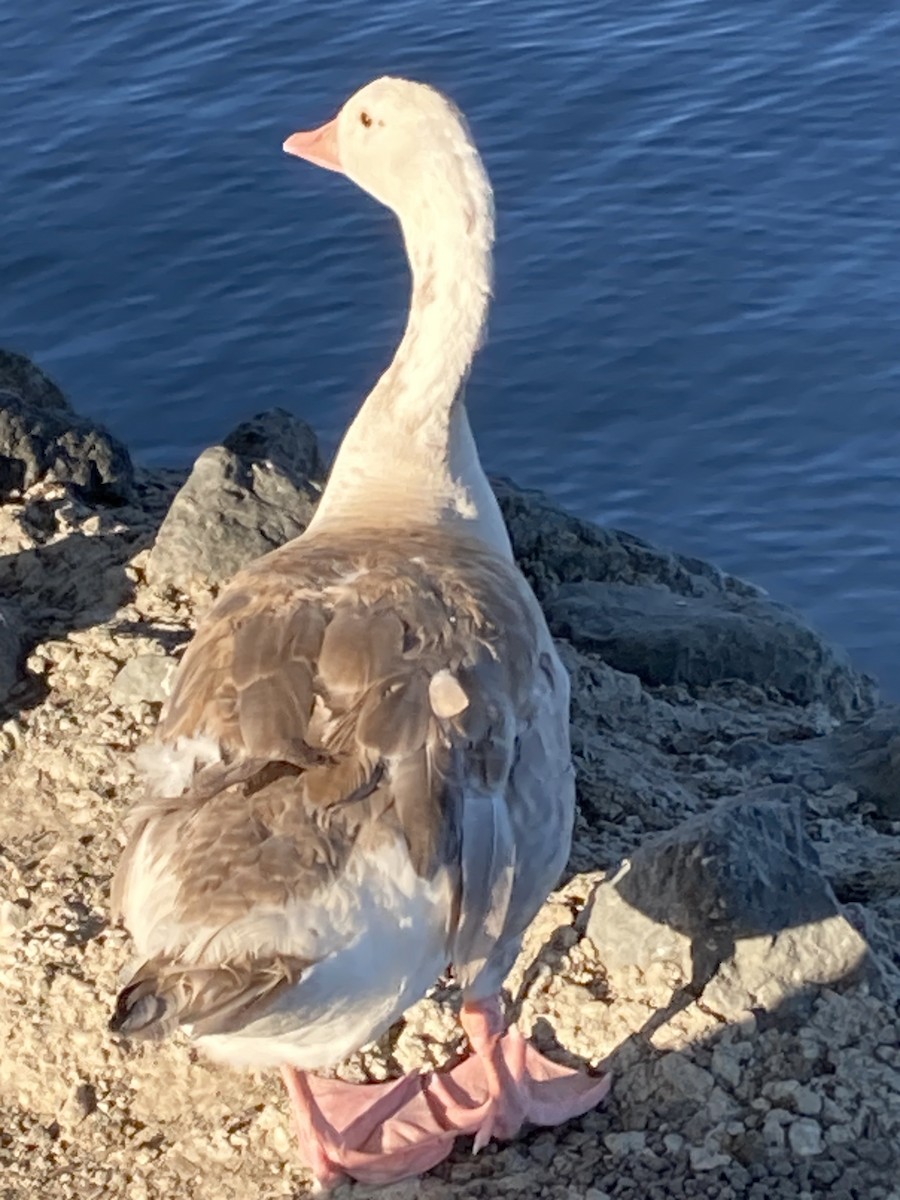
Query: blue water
[(698, 271)]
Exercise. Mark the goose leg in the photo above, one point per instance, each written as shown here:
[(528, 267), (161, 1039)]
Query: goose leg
[(521, 1085), (313, 1132), (383, 1132)]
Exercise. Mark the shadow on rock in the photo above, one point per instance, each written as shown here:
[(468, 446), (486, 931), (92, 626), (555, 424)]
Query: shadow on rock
[(733, 904), (734, 1001), (72, 515), (77, 580)]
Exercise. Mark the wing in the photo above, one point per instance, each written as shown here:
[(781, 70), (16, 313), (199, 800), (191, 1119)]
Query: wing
[(516, 809), (330, 708)]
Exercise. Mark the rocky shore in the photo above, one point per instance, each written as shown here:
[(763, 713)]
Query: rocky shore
[(726, 940)]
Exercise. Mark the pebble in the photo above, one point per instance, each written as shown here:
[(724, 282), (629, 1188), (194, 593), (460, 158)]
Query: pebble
[(880, 1153), (630, 1142), (840, 1135), (684, 1077), (773, 1129), (808, 1102), (281, 1141), (720, 1105), (826, 1171), (805, 1137), (704, 1159), (13, 917), (726, 1064), (543, 1150)]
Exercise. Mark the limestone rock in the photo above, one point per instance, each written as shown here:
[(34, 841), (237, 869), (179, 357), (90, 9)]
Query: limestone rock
[(40, 435), (733, 903), (145, 679), (248, 496)]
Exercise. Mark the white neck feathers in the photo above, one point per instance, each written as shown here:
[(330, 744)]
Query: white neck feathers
[(409, 458)]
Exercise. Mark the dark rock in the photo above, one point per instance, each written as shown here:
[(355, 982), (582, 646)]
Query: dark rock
[(866, 755), (278, 439), (735, 900), (20, 375), (880, 935), (668, 638), (553, 547), (11, 647), (864, 869), (41, 435), (250, 495)]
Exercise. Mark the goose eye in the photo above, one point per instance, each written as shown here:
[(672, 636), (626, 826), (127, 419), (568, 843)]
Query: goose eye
[(366, 119)]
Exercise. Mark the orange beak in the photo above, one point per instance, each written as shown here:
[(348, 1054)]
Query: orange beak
[(317, 146)]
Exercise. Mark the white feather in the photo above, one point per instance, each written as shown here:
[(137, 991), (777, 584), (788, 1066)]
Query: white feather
[(169, 767)]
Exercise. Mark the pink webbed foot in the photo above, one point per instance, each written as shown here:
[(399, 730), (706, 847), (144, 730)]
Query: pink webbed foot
[(518, 1084), (374, 1132), (381, 1133)]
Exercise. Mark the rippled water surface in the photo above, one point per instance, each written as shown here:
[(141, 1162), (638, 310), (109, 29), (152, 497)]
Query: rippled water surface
[(698, 296)]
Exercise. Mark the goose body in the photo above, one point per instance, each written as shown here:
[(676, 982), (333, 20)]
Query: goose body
[(345, 730), (363, 775)]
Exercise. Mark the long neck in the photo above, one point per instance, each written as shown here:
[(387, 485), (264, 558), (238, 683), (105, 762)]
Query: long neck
[(409, 458)]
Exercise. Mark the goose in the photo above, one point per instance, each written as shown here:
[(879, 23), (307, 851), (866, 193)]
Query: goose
[(362, 777)]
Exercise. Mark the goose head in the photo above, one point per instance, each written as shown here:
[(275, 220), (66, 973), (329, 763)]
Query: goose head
[(408, 146)]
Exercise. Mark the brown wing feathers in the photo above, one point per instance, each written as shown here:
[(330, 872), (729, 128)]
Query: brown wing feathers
[(339, 708), (212, 999)]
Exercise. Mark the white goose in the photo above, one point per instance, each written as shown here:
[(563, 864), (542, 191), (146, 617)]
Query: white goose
[(363, 773)]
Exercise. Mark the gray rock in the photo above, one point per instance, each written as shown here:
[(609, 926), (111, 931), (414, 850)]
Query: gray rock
[(796, 1096), (146, 679), (684, 1080), (667, 638), (248, 496), (882, 934), (720, 1106), (866, 754), (554, 547), (745, 867), (10, 651), (734, 903), (665, 1089), (865, 867), (20, 375), (41, 435), (808, 1102), (773, 1128), (727, 1064), (805, 1137), (704, 1159), (631, 1141)]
